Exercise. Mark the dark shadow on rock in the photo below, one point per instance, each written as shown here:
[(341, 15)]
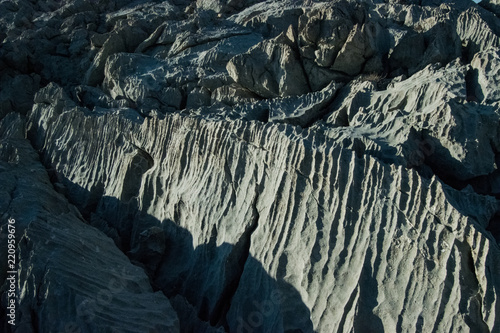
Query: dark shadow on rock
[(366, 320), (476, 197), (206, 284)]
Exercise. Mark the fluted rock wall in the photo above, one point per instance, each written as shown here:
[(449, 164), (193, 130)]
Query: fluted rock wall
[(271, 166), (363, 243), (55, 245)]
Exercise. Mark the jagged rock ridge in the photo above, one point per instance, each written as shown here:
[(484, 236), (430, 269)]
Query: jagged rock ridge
[(272, 166), (57, 245)]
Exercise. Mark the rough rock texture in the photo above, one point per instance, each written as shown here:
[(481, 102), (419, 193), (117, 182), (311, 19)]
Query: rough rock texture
[(492, 5), (267, 166), (55, 244), (430, 106), (323, 222), (486, 77), (272, 68), (303, 110)]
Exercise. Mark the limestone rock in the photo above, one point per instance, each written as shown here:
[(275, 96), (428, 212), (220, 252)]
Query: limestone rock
[(359, 46), (151, 40), (444, 45), (492, 5), (322, 32), (198, 97), (272, 178), (225, 6), (71, 276), (486, 78), (233, 94), (91, 97), (17, 93), (271, 166), (272, 68), (126, 39), (270, 18), (475, 32), (123, 82), (407, 52), (303, 110), (141, 13), (435, 103)]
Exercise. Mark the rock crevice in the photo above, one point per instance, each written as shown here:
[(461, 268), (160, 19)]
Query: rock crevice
[(252, 165)]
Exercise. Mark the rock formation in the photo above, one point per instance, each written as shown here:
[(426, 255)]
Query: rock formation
[(252, 166), (56, 245)]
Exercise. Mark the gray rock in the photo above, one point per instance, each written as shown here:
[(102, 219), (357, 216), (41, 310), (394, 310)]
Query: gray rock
[(491, 5), (198, 97), (97, 40), (444, 45), (435, 104), (95, 74), (17, 93), (285, 188), (486, 66), (475, 33), (121, 40), (233, 94), (225, 6), (123, 81), (151, 40), (272, 68), (274, 166), (172, 29), (407, 52), (91, 97), (270, 18), (71, 276), (143, 14), (188, 39), (359, 46), (322, 32), (303, 110)]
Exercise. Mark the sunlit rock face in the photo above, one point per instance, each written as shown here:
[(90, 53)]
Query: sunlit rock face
[(253, 166)]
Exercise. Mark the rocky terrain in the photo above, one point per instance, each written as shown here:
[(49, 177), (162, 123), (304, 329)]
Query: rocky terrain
[(251, 166)]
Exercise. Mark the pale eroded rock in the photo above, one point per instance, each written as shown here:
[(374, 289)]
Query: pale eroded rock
[(71, 276)]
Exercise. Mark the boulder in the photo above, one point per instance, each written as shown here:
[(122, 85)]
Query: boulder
[(486, 76), (272, 68), (359, 46)]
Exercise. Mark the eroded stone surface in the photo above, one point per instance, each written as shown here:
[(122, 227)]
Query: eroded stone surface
[(275, 166), (286, 187), (70, 275)]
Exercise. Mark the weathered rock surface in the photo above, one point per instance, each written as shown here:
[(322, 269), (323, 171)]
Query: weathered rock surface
[(55, 245), (17, 93), (486, 67), (431, 104), (305, 109), (272, 68), (296, 195), (269, 166)]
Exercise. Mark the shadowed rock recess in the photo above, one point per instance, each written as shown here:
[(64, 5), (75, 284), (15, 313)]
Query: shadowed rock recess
[(251, 166)]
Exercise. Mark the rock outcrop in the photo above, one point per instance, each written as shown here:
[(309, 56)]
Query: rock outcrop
[(55, 245), (252, 166), (272, 68), (298, 195)]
